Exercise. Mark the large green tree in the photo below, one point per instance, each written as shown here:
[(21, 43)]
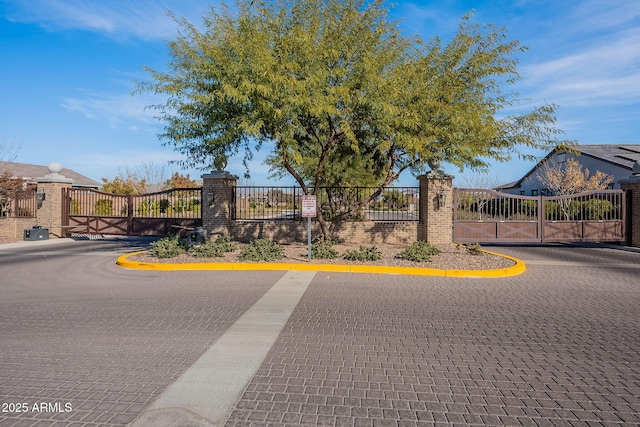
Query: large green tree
[(339, 95)]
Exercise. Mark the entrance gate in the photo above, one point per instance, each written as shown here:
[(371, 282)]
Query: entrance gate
[(486, 216), (155, 214)]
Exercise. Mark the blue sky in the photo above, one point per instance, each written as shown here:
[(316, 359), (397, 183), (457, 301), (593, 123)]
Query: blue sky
[(69, 66)]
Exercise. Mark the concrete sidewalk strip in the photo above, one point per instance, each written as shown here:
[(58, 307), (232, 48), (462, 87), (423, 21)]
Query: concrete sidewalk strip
[(206, 393)]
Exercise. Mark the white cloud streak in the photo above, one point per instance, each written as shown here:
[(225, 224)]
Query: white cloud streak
[(144, 19), (118, 110), (596, 59)]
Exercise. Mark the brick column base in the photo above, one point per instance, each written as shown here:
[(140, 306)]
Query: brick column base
[(218, 201), (632, 193), (436, 207)]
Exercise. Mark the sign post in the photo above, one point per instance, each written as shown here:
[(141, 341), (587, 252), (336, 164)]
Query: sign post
[(309, 211)]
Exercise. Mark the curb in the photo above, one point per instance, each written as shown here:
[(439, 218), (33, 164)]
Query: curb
[(515, 270)]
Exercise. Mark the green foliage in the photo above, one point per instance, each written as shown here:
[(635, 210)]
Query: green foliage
[(75, 207), (341, 95), (394, 199), (167, 247), (164, 205), (262, 250), (183, 205), (148, 207), (323, 249), (213, 248), (597, 209), (529, 208), (362, 254), (419, 252), (103, 207)]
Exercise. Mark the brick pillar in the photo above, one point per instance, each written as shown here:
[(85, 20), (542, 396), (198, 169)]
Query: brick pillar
[(218, 202), (49, 214), (631, 187), (436, 220)]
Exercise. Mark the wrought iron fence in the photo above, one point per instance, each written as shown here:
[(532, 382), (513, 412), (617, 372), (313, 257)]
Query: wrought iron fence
[(281, 203), (18, 204)]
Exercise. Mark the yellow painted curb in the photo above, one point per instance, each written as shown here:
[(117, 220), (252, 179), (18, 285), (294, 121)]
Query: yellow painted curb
[(518, 268)]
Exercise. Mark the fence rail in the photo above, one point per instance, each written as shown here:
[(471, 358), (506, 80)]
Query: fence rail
[(282, 203), (18, 204)]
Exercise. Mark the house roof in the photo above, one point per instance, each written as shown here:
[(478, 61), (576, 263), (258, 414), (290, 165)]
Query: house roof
[(30, 173), (620, 155)]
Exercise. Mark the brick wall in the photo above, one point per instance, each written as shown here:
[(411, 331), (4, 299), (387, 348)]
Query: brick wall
[(435, 224), (365, 232), (50, 213), (12, 229), (632, 188), (436, 220)]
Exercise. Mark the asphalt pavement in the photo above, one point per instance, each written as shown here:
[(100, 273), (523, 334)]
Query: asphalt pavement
[(84, 342)]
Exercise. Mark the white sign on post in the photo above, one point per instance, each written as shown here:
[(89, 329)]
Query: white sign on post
[(309, 211), (309, 207)]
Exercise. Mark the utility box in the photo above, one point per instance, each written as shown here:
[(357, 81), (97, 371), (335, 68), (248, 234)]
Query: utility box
[(194, 237), (36, 233)]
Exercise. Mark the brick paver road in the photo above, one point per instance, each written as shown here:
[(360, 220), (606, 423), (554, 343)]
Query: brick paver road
[(96, 343), (557, 345)]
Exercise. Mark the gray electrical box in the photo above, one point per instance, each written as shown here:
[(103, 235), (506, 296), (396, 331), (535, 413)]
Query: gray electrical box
[(36, 233), (194, 237)]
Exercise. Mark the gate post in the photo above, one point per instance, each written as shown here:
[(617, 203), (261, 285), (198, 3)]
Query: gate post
[(436, 207), (50, 213), (218, 205), (631, 186)]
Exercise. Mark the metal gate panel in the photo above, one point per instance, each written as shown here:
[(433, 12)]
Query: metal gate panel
[(474, 231), (487, 216), (603, 231), (562, 231), (518, 231), (153, 214)]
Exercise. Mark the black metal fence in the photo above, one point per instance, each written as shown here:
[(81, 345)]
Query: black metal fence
[(282, 203)]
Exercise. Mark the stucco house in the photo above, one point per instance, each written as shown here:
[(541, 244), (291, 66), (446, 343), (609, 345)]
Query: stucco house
[(29, 173), (612, 159)]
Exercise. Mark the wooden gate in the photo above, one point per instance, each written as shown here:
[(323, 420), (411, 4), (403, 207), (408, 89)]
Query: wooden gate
[(486, 216), (155, 214)]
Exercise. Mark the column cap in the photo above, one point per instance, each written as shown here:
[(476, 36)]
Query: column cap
[(54, 176), (219, 175)]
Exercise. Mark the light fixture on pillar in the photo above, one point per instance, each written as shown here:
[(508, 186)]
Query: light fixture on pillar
[(442, 199)]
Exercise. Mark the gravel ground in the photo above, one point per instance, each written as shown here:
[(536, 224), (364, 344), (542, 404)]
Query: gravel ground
[(452, 257)]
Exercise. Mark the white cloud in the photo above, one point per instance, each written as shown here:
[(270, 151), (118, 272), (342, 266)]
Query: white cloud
[(145, 19), (117, 110), (602, 68)]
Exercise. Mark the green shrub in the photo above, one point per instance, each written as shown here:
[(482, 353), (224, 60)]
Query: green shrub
[(362, 254), (323, 249), (213, 248), (262, 250), (148, 207), (597, 209), (75, 207), (104, 207), (474, 249), (167, 247), (164, 205), (419, 252)]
